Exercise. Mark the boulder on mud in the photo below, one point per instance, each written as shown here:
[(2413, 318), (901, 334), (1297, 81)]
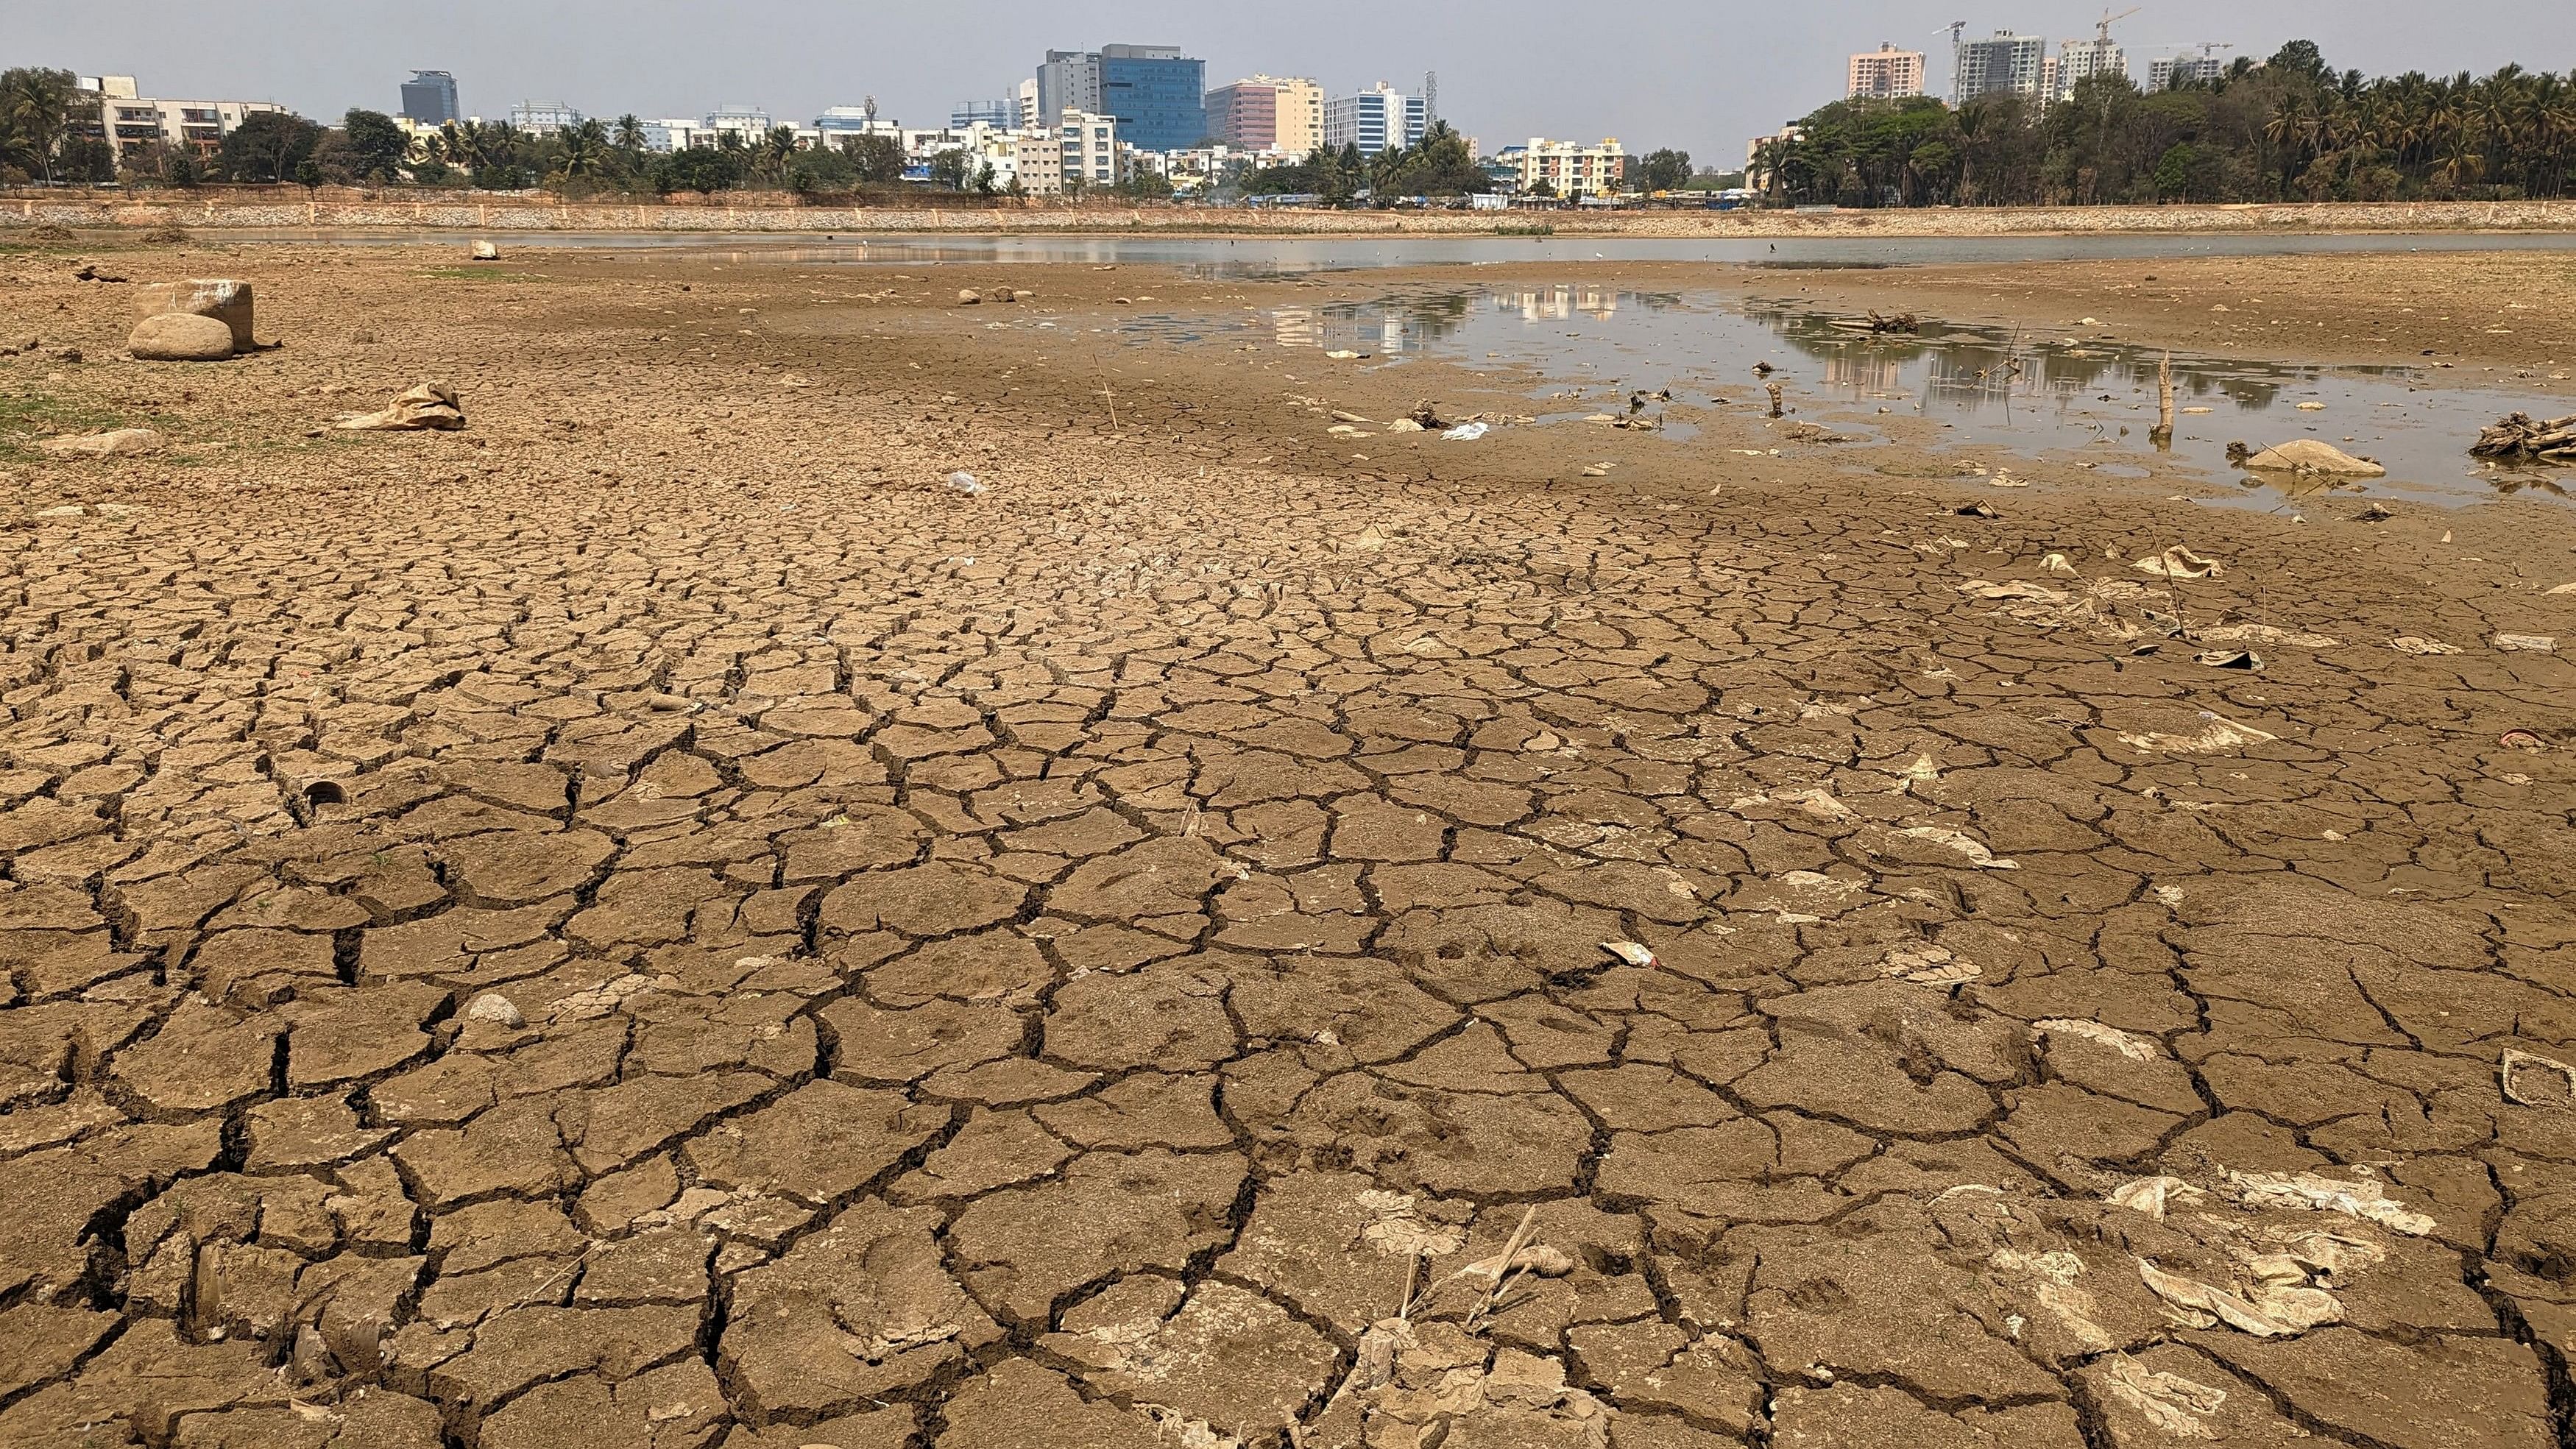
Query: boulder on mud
[(429, 406), (115, 443), (2307, 455), (181, 337), (968, 297), (486, 252), (225, 300)]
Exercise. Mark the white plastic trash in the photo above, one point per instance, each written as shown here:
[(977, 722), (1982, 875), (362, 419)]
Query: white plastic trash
[(966, 483), (1465, 432)]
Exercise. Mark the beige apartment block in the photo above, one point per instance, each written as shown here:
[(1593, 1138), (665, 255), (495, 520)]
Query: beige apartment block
[(1885, 74), (1265, 113), (1568, 168)]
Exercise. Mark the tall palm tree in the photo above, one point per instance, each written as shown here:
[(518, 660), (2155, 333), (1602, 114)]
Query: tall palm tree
[(34, 111), (776, 150), (585, 150)]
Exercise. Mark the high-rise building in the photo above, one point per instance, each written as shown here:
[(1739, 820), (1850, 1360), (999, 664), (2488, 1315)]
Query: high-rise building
[(1158, 95), (1380, 118), (1244, 115), (1027, 97), (2188, 69), (1885, 74), (1069, 80), (429, 97), (2079, 59), (2006, 64), (1002, 115), (1301, 114), (1267, 113)]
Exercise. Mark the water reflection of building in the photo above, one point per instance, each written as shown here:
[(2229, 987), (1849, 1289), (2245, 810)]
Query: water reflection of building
[(1296, 327), (1557, 304), (1868, 371)]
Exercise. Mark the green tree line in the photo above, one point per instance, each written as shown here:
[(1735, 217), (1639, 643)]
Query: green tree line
[(2288, 129), (1440, 164)]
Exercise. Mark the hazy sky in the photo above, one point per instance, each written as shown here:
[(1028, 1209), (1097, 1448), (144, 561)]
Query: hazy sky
[(1699, 74)]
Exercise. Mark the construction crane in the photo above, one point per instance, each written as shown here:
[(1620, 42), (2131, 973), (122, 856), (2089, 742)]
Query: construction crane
[(2102, 27), (1956, 28)]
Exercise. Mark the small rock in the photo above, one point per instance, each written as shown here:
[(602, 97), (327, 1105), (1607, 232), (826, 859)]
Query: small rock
[(1001, 294), (181, 337), (486, 252), (16, 345), (428, 406), (225, 300), (968, 297), (492, 1006), (116, 443)]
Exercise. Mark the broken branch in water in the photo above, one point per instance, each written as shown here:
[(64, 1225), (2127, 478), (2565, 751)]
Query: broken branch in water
[(2520, 438)]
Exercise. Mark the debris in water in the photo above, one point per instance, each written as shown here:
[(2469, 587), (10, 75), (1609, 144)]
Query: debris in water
[(2518, 438)]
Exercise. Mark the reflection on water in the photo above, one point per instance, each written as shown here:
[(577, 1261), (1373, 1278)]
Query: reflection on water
[(1593, 346), (1270, 256)]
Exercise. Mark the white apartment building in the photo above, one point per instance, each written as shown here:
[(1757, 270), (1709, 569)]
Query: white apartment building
[(1092, 154), (1380, 118), (1569, 168), (110, 106), (2077, 59), (2191, 69), (749, 122), (1083, 151), (675, 133), (1195, 169), (2004, 63), (543, 118)]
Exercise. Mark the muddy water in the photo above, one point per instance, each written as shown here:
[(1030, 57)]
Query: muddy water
[(1582, 349), (1268, 256)]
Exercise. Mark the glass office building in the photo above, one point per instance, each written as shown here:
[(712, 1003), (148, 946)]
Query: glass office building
[(429, 97), (1158, 95)]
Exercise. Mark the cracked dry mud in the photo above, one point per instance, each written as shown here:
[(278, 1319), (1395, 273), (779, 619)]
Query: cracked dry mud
[(654, 923)]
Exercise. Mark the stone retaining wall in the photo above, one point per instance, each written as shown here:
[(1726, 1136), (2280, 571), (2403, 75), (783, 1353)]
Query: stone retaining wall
[(503, 213)]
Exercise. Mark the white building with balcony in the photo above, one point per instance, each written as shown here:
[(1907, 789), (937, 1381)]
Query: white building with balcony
[(112, 107)]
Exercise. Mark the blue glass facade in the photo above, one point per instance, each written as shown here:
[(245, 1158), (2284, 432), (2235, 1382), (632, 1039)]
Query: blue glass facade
[(1158, 95)]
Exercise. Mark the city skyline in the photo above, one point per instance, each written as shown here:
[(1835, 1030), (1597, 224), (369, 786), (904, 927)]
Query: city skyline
[(1687, 88)]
